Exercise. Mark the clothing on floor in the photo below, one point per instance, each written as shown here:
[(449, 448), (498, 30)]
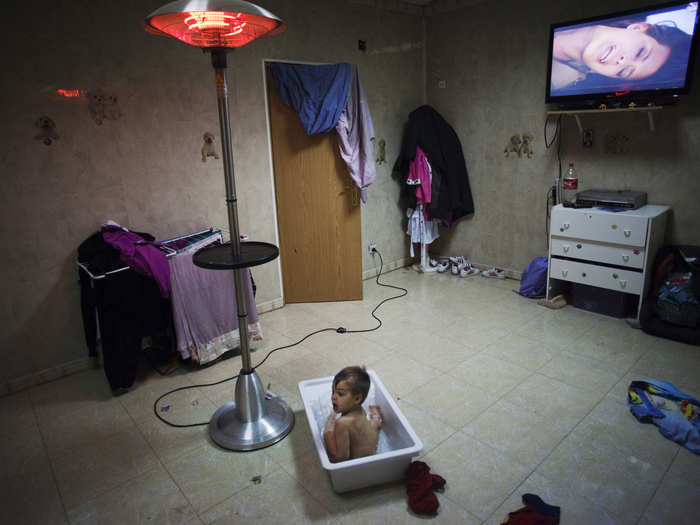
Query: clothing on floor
[(317, 93), (535, 512), (355, 133), (675, 413), (451, 193), (420, 484), (205, 314), (140, 255)]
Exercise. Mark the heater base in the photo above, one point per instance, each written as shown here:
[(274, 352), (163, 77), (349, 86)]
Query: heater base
[(228, 431)]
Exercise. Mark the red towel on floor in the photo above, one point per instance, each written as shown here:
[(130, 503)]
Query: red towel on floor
[(420, 484)]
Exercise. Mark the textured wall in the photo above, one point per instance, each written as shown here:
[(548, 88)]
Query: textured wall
[(144, 169), (492, 57)]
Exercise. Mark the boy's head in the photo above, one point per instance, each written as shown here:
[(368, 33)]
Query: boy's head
[(350, 388)]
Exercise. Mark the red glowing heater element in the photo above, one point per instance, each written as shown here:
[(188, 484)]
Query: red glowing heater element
[(70, 93), (222, 23)]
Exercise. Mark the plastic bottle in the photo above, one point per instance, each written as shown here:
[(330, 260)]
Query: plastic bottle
[(570, 185)]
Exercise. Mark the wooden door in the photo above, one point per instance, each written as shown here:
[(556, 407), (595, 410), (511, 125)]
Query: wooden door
[(318, 211)]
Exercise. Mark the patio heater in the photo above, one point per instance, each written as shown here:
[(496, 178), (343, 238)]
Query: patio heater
[(254, 420)]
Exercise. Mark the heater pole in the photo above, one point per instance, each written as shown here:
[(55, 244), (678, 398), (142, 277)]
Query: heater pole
[(218, 60)]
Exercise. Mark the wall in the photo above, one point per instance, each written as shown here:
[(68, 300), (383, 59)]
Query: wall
[(144, 169), (492, 57)]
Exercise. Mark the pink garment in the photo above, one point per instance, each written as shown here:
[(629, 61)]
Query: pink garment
[(419, 174), (204, 308), (140, 255), (355, 134)]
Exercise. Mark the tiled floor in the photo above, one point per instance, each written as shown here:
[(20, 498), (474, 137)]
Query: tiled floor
[(507, 396)]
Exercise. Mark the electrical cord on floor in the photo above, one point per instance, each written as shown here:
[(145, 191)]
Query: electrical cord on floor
[(340, 330)]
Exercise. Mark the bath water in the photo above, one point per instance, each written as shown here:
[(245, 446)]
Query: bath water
[(322, 408)]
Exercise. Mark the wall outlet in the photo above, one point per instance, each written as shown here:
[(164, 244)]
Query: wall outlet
[(371, 247)]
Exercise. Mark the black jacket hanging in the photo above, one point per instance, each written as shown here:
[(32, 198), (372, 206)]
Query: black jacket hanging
[(452, 195)]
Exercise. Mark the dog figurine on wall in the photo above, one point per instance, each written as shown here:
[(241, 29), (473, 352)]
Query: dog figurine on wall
[(47, 130), (513, 146), (379, 151), (526, 148), (208, 149)]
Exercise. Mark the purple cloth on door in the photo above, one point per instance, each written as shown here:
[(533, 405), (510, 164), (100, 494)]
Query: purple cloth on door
[(355, 134), (141, 255), (204, 303)]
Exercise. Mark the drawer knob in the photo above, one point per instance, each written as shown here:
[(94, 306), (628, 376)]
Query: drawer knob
[(566, 248), (583, 274), (615, 276), (564, 272), (627, 233), (623, 283), (625, 258)]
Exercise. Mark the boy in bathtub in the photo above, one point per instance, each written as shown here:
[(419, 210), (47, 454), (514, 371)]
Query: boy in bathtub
[(351, 435)]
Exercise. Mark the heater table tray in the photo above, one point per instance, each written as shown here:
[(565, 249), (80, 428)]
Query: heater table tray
[(220, 257)]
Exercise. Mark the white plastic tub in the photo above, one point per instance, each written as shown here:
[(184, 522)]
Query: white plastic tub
[(398, 443)]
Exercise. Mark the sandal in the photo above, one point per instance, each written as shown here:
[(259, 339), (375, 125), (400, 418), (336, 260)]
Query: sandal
[(494, 273)]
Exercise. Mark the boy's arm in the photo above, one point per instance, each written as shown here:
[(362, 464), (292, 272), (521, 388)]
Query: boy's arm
[(337, 439)]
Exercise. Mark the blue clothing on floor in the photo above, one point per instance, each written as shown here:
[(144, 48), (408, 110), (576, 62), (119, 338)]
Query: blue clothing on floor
[(674, 413), (317, 93)]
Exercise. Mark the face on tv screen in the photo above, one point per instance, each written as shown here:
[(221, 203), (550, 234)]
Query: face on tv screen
[(646, 50)]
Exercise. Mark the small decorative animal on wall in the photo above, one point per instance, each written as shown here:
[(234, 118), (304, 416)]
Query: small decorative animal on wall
[(208, 149), (379, 151), (96, 105), (102, 106), (526, 148), (513, 146), (47, 130)]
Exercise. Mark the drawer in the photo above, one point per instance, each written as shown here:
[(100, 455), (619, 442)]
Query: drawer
[(596, 225), (627, 281), (598, 252)]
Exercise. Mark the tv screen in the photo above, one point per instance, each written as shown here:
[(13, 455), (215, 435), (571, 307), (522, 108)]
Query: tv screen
[(644, 54)]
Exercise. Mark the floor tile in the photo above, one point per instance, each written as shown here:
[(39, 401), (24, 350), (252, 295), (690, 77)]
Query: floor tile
[(492, 376), (31, 497), (401, 375), (553, 399), (151, 498), (581, 372), (575, 509), (431, 430), (209, 474), (451, 400), (478, 477), (85, 472), (672, 502), (518, 432), (522, 351), (390, 505), (277, 499)]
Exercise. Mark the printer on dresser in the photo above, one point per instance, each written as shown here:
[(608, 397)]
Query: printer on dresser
[(611, 250)]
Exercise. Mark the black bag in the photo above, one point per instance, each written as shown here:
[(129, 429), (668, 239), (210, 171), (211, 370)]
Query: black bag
[(672, 306)]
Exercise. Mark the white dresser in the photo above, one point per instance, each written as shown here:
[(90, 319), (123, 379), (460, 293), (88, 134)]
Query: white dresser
[(612, 250)]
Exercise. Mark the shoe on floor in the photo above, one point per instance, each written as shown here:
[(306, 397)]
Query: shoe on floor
[(494, 273), (457, 264), (468, 271), (443, 266)]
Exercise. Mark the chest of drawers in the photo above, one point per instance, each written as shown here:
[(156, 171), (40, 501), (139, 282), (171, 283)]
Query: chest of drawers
[(612, 250)]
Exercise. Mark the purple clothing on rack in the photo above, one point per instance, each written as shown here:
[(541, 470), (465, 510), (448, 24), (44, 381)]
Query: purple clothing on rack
[(355, 134), (140, 255), (204, 306)]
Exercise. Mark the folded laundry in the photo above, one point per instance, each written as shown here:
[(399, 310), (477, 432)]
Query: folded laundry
[(420, 484)]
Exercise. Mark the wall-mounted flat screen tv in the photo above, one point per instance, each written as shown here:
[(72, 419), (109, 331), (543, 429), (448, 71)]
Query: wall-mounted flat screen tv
[(643, 55)]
